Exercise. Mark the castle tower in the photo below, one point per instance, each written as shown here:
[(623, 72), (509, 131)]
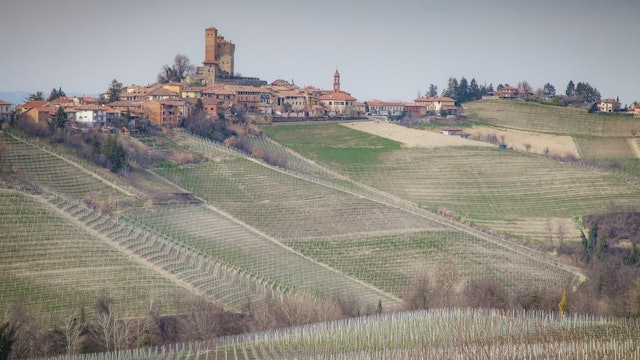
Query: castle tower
[(336, 82), (210, 45)]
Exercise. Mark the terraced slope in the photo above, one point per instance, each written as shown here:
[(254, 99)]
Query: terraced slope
[(54, 264), (195, 247), (377, 238), (504, 190)]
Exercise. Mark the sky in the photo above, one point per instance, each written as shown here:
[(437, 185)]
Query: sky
[(384, 49)]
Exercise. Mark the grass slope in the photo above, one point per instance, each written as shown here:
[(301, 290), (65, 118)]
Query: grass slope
[(487, 186), (550, 119)]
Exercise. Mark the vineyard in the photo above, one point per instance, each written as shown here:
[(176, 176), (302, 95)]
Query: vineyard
[(436, 334), (55, 265), (550, 119), (504, 190), (324, 212)]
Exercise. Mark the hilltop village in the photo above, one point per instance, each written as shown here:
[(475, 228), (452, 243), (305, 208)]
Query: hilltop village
[(216, 89)]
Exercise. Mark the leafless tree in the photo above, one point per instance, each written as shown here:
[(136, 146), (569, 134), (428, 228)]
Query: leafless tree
[(561, 231), (73, 326), (200, 320), (524, 85), (548, 232), (419, 297), (179, 71), (527, 147)]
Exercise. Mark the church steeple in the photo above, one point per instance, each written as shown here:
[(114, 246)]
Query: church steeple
[(336, 82)]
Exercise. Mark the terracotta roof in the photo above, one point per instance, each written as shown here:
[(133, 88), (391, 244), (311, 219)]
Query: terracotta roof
[(33, 104), (124, 103), (375, 102), (610, 101), (2, 102), (162, 92), (338, 96), (89, 107)]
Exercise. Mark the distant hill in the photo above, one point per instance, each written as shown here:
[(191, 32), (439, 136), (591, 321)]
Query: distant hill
[(18, 97), (14, 97)]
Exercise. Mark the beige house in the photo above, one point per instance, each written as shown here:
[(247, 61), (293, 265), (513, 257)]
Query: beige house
[(437, 104), (385, 108), (5, 111), (609, 105)]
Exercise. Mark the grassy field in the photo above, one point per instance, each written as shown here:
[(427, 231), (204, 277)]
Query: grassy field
[(550, 119), (332, 144)]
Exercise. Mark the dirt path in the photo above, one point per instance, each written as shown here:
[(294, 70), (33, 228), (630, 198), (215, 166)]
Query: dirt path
[(527, 141), (634, 146), (411, 137), (518, 140)]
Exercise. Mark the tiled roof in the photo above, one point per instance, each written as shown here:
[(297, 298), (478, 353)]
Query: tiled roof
[(338, 96), (2, 102), (33, 104)]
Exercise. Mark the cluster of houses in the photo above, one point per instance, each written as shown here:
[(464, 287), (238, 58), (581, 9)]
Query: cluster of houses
[(220, 90), (167, 104)]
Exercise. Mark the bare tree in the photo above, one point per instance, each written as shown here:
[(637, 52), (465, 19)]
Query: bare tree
[(419, 298), (73, 323), (561, 231), (527, 147), (548, 232), (200, 320), (181, 68)]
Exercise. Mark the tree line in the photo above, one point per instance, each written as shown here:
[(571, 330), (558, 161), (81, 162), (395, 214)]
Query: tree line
[(463, 91)]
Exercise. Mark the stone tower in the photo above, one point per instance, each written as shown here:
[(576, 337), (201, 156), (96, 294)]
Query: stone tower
[(336, 82), (218, 56)]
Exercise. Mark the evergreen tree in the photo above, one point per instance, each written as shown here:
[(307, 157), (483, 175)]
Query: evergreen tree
[(433, 91), (463, 91), (59, 119), (115, 154), (452, 88), (474, 90), (7, 338), (549, 91), (571, 89), (586, 252), (36, 96), (115, 89), (56, 94), (199, 106)]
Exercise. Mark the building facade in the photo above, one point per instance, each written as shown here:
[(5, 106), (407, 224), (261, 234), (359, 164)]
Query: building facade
[(5, 111)]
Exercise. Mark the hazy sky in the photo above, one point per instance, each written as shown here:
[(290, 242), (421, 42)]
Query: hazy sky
[(384, 49)]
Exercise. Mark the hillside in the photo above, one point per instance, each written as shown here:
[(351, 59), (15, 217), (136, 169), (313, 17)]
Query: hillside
[(326, 215)]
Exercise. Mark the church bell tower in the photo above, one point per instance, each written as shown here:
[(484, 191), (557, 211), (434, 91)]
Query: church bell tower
[(336, 82)]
